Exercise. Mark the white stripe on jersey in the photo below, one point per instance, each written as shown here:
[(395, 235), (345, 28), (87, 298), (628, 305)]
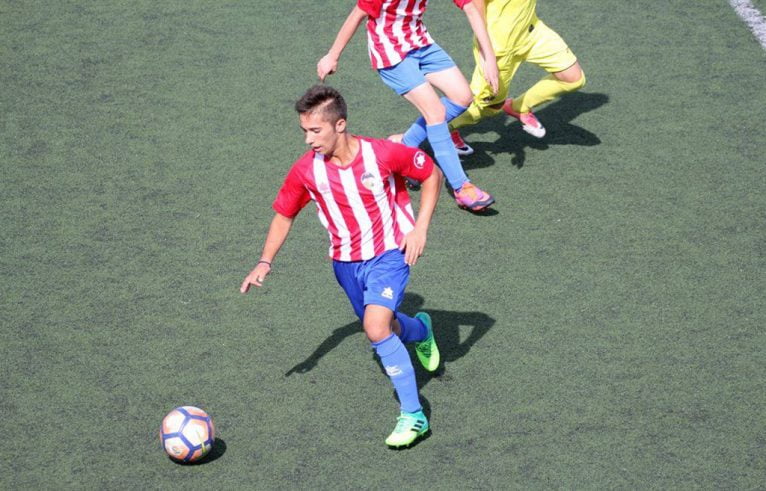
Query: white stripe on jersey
[(320, 177), (367, 238), (371, 166)]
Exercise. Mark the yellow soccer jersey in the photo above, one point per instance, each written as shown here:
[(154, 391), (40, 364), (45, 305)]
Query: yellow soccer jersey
[(508, 22)]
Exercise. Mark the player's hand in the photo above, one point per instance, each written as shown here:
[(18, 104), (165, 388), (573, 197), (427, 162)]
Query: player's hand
[(256, 277), (326, 66), (492, 74), (413, 245)]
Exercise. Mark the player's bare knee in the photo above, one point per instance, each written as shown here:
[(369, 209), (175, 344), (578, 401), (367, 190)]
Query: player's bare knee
[(573, 77), (435, 115), (580, 83), (376, 331), (465, 99), (377, 327)]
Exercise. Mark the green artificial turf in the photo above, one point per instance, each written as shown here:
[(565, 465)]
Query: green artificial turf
[(603, 327)]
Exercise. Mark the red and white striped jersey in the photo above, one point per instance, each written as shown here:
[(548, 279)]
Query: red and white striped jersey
[(395, 27), (364, 206)]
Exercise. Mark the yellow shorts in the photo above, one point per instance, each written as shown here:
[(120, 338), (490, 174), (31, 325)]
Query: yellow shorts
[(542, 46)]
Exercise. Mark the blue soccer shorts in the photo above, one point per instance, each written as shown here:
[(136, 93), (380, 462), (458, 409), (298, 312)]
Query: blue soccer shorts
[(412, 70), (377, 281)]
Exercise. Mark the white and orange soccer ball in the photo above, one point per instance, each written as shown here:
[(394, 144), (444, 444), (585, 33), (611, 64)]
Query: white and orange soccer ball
[(187, 433)]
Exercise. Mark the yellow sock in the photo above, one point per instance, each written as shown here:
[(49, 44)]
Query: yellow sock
[(548, 88), (473, 115)]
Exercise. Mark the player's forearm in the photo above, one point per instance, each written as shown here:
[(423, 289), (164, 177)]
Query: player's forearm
[(278, 231), (474, 11), (429, 195), (347, 31)]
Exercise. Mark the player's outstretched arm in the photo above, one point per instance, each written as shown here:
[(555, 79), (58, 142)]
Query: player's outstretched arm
[(278, 231), (415, 242), (475, 13), (328, 64)]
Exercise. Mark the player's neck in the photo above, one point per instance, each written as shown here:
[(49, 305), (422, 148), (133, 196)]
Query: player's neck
[(345, 150)]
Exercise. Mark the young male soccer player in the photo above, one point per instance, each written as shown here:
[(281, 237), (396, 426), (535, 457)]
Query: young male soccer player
[(357, 184), (412, 64), (517, 36)]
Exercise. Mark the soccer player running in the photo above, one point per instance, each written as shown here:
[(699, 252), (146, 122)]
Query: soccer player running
[(413, 65), (517, 36), (357, 185)]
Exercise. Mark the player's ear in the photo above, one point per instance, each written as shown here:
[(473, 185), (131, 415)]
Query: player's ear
[(340, 125)]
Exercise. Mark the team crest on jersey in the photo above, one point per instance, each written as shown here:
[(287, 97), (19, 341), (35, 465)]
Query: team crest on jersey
[(371, 182), (323, 188), (420, 160)]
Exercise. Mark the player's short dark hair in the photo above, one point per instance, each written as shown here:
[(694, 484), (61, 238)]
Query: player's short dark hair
[(323, 99)]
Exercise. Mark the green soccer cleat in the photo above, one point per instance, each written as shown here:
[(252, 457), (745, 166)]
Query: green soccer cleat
[(409, 426), (427, 351)]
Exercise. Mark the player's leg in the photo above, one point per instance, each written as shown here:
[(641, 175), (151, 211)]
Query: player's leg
[(385, 279), (467, 195), (457, 98), (393, 355), (442, 73), (484, 103), (418, 330), (411, 422), (407, 80), (548, 51), (553, 85)]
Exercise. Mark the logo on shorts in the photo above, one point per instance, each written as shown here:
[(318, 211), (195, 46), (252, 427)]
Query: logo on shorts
[(371, 182), (387, 293), (420, 160)]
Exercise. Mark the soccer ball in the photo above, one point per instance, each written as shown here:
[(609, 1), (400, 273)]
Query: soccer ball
[(187, 433)]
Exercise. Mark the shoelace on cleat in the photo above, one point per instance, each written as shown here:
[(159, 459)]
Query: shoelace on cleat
[(424, 347), (407, 423)]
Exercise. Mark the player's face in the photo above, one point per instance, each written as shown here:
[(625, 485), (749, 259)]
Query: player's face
[(321, 135)]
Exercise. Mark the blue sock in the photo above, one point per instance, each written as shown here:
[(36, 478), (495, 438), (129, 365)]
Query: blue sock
[(413, 329), (396, 361), (446, 155), (416, 133), (453, 109)]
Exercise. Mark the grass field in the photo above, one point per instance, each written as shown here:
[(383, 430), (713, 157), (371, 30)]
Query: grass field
[(604, 328)]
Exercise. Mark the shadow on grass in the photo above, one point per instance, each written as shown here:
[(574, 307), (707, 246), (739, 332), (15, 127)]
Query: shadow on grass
[(557, 119), (219, 448), (447, 329)]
